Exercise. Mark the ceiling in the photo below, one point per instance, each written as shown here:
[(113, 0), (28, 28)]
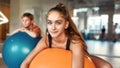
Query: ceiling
[(92, 3), (82, 3)]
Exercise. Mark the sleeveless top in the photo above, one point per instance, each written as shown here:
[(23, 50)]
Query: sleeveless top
[(50, 42)]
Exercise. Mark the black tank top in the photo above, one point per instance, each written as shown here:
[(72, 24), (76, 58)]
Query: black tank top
[(50, 42)]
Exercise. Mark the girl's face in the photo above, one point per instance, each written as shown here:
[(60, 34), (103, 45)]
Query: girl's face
[(26, 22), (56, 24)]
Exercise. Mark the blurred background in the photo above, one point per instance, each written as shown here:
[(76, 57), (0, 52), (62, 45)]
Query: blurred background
[(97, 20)]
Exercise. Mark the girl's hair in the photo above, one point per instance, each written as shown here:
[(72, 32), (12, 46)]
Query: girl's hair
[(71, 31), (29, 15)]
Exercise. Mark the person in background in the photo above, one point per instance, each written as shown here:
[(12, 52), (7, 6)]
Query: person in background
[(29, 26), (103, 32), (114, 32), (62, 33)]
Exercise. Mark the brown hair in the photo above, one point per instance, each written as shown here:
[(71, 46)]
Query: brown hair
[(29, 15), (71, 31)]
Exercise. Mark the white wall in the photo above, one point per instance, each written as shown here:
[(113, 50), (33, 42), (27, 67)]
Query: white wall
[(14, 14)]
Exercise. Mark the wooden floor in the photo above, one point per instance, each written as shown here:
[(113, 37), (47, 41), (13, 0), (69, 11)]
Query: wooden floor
[(108, 50)]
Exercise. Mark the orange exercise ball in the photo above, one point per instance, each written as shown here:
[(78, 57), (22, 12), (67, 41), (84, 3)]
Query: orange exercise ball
[(57, 58)]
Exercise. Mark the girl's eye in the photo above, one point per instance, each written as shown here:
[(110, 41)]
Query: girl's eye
[(58, 22), (49, 22)]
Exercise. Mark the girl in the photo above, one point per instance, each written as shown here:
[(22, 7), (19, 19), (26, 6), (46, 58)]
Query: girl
[(61, 30)]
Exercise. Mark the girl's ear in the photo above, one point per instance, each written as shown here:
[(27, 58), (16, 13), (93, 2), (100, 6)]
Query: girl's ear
[(67, 24)]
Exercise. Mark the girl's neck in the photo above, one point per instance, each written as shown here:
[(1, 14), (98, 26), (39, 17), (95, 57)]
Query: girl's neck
[(60, 39)]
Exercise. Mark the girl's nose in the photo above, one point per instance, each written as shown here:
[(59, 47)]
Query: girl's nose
[(53, 26)]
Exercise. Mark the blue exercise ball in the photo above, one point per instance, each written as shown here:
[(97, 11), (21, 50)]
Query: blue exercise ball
[(16, 48)]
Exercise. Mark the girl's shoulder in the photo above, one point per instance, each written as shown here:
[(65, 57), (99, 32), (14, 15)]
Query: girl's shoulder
[(44, 40), (76, 44)]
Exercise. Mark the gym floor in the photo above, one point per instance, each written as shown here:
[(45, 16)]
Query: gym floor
[(108, 50)]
